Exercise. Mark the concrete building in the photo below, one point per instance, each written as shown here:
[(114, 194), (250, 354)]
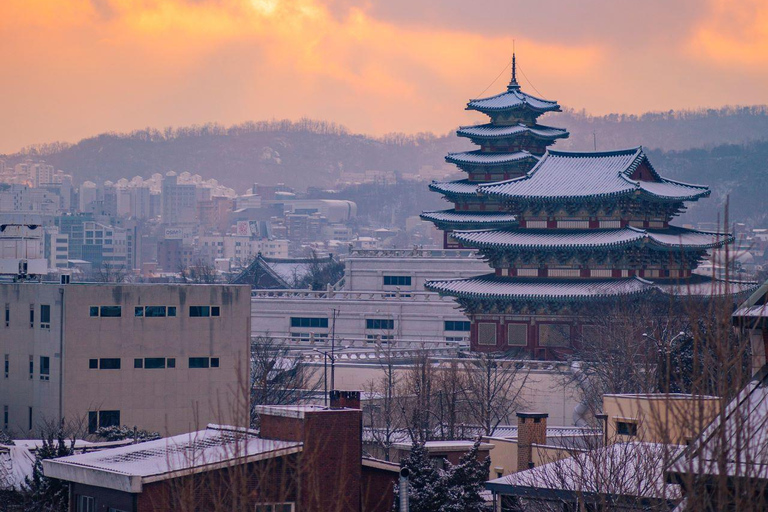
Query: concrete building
[(167, 358)]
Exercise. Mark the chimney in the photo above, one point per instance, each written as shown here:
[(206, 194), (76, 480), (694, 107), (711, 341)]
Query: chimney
[(345, 399), (531, 429)]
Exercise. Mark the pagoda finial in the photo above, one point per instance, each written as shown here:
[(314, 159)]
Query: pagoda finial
[(513, 84)]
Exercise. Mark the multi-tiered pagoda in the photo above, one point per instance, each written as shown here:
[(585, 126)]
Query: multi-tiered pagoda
[(590, 228), (510, 145)]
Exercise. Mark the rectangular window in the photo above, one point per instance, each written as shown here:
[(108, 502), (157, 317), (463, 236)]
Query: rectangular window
[(517, 335), (138, 311), (109, 363), (111, 311), (397, 280), (554, 335), (93, 364), (7, 364), (457, 325), (486, 333), (199, 311), (214, 362), (171, 362), (31, 367), (320, 323), (93, 311), (45, 316), (154, 311), (626, 428), (31, 315), (45, 368), (5, 417), (171, 310), (138, 363), (109, 419), (379, 323), (373, 338), (86, 503), (93, 421), (154, 363), (199, 362), (7, 315), (30, 419), (215, 311)]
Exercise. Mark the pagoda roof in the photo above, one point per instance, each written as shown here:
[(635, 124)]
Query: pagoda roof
[(493, 131), (458, 187), (562, 175), (472, 218), (513, 98), (490, 286), (672, 238), (479, 157)]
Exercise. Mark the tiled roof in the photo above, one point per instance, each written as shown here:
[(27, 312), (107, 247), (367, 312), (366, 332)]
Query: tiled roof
[(492, 131), (461, 187), (491, 286), (671, 238), (478, 157), (563, 175), (704, 286), (459, 217), (513, 98)]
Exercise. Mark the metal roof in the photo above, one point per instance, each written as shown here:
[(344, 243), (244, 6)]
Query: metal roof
[(561, 175), (459, 217), (512, 98), (494, 131), (460, 187), (671, 238), (479, 157)]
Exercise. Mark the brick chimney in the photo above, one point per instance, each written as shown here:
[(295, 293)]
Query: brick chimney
[(345, 399), (531, 429)]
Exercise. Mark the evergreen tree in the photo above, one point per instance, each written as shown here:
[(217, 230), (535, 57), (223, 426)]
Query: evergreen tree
[(425, 489), (465, 481), (40, 493)]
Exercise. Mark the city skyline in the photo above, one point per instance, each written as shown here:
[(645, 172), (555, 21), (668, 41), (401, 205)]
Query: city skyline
[(78, 68)]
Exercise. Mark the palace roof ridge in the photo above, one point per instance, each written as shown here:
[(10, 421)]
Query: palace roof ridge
[(511, 99), (494, 131)]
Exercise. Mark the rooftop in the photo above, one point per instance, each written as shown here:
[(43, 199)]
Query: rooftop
[(513, 98), (479, 157), (465, 217), (493, 131)]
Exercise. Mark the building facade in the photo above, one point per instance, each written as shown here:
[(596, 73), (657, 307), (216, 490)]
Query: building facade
[(167, 358)]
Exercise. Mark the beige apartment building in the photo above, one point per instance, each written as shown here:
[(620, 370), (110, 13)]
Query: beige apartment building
[(164, 357)]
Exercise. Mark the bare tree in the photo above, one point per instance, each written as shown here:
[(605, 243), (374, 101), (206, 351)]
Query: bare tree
[(108, 273), (200, 272)]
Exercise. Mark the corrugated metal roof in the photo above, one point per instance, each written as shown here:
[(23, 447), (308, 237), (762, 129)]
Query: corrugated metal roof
[(672, 238), (478, 157), (469, 217), (492, 286), (563, 175), (512, 98), (492, 131), (462, 187)]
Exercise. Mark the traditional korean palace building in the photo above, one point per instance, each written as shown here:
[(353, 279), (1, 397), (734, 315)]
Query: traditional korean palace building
[(564, 232)]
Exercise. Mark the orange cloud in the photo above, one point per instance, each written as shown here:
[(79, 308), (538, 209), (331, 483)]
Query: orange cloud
[(735, 34)]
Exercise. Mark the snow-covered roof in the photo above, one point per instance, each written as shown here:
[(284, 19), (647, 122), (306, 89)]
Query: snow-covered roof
[(16, 464), (629, 470), (755, 308), (494, 131), (511, 99), (562, 175), (487, 158), (129, 467), (458, 187), (454, 217)]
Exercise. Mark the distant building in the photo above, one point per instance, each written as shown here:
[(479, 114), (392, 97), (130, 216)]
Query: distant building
[(167, 358), (179, 201)]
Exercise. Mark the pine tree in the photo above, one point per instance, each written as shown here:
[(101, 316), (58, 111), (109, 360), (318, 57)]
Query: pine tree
[(425, 489), (40, 493), (465, 481)]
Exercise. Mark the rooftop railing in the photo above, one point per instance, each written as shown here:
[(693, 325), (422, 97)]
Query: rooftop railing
[(389, 295), (414, 253)]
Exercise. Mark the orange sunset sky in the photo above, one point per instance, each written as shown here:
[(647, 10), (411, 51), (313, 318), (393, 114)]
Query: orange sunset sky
[(75, 68)]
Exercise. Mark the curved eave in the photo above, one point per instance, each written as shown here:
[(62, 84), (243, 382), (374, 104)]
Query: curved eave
[(491, 132), (469, 220), (486, 159), (454, 188), (510, 100), (486, 189)]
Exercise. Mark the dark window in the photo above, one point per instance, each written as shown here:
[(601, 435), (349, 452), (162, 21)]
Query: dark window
[(171, 310), (31, 367), (171, 362), (94, 310), (138, 363), (214, 362), (7, 315), (626, 428), (309, 322), (45, 316), (379, 323), (199, 311), (93, 421), (109, 419), (109, 363), (154, 311), (457, 325), (45, 368), (31, 315), (215, 311), (7, 365), (30, 418), (397, 280), (138, 311), (86, 503), (199, 362), (111, 311), (153, 363), (93, 364)]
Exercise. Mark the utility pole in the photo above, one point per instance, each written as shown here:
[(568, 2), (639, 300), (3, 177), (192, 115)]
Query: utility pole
[(333, 351)]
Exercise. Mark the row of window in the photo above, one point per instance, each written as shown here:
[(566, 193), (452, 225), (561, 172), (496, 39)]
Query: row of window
[(151, 363), (45, 316), (373, 323), (45, 367), (144, 312), (6, 418), (397, 280)]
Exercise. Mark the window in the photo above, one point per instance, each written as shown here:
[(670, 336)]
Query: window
[(199, 311), (138, 311), (457, 325), (94, 311), (30, 419), (321, 323), (109, 363), (554, 335), (626, 428), (214, 362), (397, 280), (7, 315), (199, 362), (138, 363), (93, 364), (31, 367), (45, 316), (45, 368), (106, 311), (379, 323), (486, 333), (7, 364), (154, 363), (371, 338), (171, 310), (102, 419), (154, 311), (31, 315), (93, 421), (517, 335), (215, 311), (5, 417), (171, 362), (85, 503)]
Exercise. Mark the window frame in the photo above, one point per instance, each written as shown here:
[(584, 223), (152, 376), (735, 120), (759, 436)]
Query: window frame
[(380, 324), (45, 368)]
